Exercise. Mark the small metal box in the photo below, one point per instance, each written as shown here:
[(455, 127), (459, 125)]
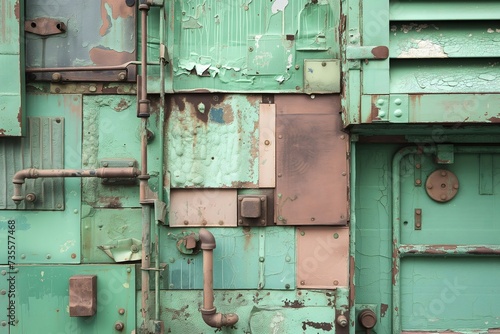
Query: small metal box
[(82, 295)]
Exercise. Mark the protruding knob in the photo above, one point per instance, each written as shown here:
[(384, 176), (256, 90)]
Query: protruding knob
[(367, 319)]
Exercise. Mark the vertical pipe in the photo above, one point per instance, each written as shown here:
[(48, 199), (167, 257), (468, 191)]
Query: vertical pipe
[(352, 241), (208, 280), (146, 251)]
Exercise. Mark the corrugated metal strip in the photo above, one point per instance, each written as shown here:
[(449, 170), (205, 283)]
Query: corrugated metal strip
[(43, 148)]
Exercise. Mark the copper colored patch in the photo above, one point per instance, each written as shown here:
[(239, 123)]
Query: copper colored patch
[(108, 57), (82, 295), (442, 185)]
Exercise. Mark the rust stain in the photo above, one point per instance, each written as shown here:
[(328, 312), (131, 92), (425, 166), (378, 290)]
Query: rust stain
[(484, 251), (112, 202), (2, 132), (17, 10), (248, 237), (118, 9), (494, 119), (395, 256), (20, 116), (293, 304), (325, 326), (107, 57), (374, 110), (122, 105), (383, 309)]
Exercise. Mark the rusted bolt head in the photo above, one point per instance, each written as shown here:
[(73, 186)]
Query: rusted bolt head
[(56, 77), (323, 64), (122, 76), (73, 255), (455, 186), (444, 197), (267, 142), (186, 222), (302, 282), (429, 186), (92, 88), (418, 166), (418, 211), (335, 282), (418, 181), (119, 326), (220, 222), (121, 311), (367, 318), (297, 67), (342, 321), (250, 49), (443, 173), (30, 197), (134, 248)]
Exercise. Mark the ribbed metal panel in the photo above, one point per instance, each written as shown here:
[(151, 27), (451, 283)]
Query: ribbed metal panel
[(43, 148)]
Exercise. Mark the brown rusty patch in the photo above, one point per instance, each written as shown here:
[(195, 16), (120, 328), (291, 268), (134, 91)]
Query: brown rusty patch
[(111, 202), (293, 304), (108, 57), (374, 110), (383, 309), (20, 116), (395, 256), (325, 326), (380, 52), (494, 119), (256, 298), (2, 132), (17, 10), (122, 105), (484, 251), (118, 9), (208, 100), (248, 237)]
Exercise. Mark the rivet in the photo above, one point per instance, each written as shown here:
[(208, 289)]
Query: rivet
[(105, 164), (250, 49), (302, 282), (48, 256), (335, 235), (417, 166), (443, 173), (220, 222), (280, 175), (418, 225), (3, 272), (397, 102), (398, 113), (261, 259), (344, 173), (288, 259), (418, 181), (380, 102), (262, 199), (4, 323), (131, 164), (313, 97), (92, 88), (121, 311), (455, 186), (418, 211), (122, 76), (172, 260), (267, 142), (335, 282), (240, 221), (342, 217), (444, 197), (129, 270), (56, 77), (323, 64), (75, 211), (59, 205), (429, 186), (313, 219), (3, 292), (186, 222), (381, 113), (280, 136), (287, 286), (302, 233), (297, 87), (342, 137), (73, 255), (23, 256), (245, 7), (297, 67), (171, 286), (204, 222)]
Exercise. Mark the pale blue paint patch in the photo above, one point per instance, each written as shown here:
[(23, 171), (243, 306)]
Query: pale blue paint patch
[(217, 115)]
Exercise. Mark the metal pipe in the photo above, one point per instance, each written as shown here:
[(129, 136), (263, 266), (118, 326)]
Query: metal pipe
[(144, 105), (208, 311), (33, 173), (145, 263), (123, 66)]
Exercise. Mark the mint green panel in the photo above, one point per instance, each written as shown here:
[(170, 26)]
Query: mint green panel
[(443, 294), (42, 299), (469, 218), (12, 113), (213, 141), (259, 311), (108, 235), (4, 300), (373, 253), (112, 132), (245, 258), (257, 45), (52, 236)]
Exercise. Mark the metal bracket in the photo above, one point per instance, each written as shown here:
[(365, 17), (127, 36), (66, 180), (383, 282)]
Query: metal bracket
[(445, 154), (44, 26), (118, 163), (418, 219)]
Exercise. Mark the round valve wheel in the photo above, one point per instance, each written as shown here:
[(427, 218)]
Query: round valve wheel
[(442, 185)]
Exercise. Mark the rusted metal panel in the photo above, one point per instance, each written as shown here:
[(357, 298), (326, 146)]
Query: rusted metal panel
[(192, 207), (100, 33), (312, 164), (322, 257), (267, 145), (82, 295)]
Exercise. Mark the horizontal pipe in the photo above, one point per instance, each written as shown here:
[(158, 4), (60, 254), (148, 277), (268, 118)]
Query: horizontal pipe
[(448, 250), (123, 66), (33, 173)]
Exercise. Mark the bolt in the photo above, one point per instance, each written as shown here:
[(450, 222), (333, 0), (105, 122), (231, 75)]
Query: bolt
[(48, 256), (121, 311), (335, 235), (418, 181), (245, 8), (443, 173), (220, 222), (342, 321), (302, 282), (302, 233), (4, 323), (417, 166), (398, 113), (119, 326), (262, 199), (267, 142), (105, 164), (313, 219), (313, 97), (58, 90), (297, 67), (335, 282), (250, 49), (134, 249), (23, 256), (3, 292), (172, 260), (261, 259), (280, 136), (129, 270), (75, 211), (288, 259), (280, 175), (56, 77), (186, 222), (122, 76), (73, 255), (92, 88), (323, 64), (171, 286), (3, 272), (444, 197), (59, 205), (418, 212), (287, 286)]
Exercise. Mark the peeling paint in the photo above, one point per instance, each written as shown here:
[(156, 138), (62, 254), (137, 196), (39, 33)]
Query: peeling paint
[(279, 6), (424, 49)]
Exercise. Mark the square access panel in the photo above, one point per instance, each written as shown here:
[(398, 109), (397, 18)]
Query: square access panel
[(311, 161)]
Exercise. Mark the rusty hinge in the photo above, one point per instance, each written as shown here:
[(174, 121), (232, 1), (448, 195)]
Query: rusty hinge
[(44, 26), (367, 52)]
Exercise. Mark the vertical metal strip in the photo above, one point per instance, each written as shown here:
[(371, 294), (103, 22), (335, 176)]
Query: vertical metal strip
[(486, 174), (267, 148), (352, 241), (262, 254)]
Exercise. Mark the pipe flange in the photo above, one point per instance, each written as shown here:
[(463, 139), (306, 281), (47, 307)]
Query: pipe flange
[(209, 311)]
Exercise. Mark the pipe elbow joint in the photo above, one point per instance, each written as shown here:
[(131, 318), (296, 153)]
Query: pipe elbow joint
[(218, 320), (207, 239)]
